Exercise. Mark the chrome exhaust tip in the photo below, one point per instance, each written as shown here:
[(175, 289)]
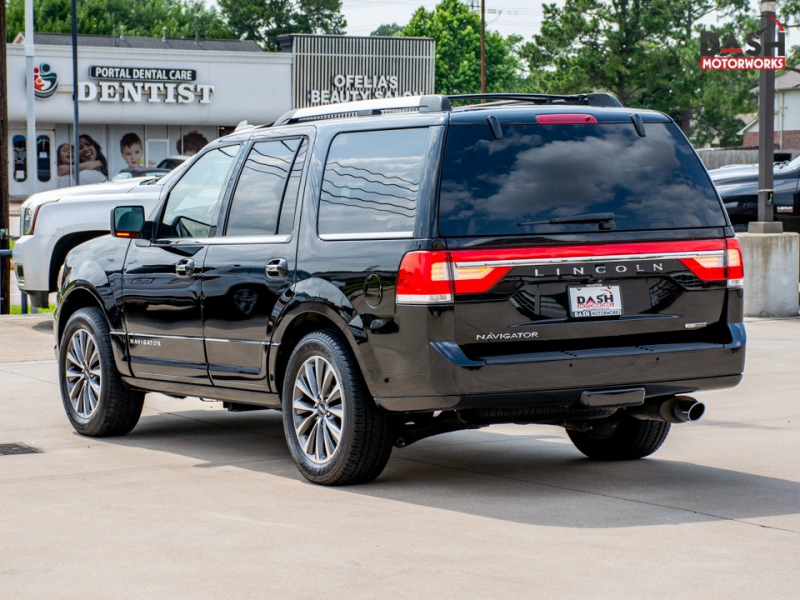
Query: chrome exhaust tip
[(688, 410), (678, 409)]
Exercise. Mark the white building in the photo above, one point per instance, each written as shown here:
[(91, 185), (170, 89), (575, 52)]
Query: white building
[(144, 99), (787, 116)]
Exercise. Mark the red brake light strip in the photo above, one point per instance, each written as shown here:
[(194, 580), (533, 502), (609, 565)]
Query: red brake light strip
[(434, 276)]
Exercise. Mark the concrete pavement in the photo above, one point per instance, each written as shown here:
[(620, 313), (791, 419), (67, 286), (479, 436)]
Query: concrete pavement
[(200, 503)]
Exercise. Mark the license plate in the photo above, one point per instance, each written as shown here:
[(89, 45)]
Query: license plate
[(595, 300)]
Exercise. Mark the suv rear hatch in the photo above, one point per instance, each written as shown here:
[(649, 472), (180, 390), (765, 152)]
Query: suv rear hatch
[(578, 232)]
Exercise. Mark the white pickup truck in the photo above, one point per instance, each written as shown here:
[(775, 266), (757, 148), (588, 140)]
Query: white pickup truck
[(52, 223)]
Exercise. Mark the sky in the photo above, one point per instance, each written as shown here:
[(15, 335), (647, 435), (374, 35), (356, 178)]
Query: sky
[(522, 17)]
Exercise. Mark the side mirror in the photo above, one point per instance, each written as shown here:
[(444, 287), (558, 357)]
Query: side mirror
[(127, 221)]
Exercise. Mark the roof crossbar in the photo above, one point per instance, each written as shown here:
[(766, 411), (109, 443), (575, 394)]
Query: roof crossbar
[(365, 108), (592, 99)]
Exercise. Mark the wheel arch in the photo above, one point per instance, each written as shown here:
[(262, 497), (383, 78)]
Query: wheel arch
[(76, 298), (300, 321), (80, 295), (62, 248)]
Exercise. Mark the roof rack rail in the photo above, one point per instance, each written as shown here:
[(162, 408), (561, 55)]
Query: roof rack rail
[(366, 108), (592, 99)]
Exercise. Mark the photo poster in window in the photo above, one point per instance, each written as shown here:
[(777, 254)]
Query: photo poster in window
[(94, 166), (19, 158), (188, 140), (125, 148)]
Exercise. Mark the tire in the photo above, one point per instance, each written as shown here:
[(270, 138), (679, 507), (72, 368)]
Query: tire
[(313, 405), (97, 402), (621, 439)]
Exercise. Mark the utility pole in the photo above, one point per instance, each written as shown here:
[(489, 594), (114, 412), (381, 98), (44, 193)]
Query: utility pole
[(76, 158), (5, 263), (31, 151), (483, 46), (766, 117)]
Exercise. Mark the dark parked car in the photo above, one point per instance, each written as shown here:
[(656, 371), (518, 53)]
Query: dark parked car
[(388, 270), (738, 187)]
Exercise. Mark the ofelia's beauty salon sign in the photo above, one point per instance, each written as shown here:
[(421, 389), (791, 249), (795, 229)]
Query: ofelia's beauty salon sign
[(144, 84), (349, 88)]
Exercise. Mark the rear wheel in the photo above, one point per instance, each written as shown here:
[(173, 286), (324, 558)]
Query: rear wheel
[(336, 433), (623, 438), (95, 399)]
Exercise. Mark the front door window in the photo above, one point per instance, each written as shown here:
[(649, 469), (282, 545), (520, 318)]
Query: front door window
[(191, 207)]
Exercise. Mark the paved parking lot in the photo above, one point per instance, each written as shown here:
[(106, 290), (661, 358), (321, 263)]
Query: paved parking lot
[(201, 503)]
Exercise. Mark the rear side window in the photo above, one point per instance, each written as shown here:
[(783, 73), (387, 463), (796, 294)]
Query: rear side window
[(541, 172), (257, 199), (371, 184)]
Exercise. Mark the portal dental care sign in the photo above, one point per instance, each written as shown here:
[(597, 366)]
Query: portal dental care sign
[(144, 84)]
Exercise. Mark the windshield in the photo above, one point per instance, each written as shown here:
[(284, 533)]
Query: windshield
[(540, 173), (168, 178), (793, 164)]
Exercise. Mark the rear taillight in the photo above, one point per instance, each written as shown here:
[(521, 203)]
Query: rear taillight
[(734, 263), (725, 264), (474, 279), (432, 277), (424, 278)]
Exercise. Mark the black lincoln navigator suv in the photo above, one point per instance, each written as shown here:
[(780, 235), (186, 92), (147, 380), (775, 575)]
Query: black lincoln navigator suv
[(388, 270)]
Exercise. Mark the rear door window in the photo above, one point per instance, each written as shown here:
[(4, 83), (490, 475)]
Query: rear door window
[(371, 184), (257, 199), (540, 172)]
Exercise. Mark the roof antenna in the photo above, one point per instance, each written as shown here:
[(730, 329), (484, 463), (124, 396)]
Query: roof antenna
[(122, 32), (163, 34), (196, 32)]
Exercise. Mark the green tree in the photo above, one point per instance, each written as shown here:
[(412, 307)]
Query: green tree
[(647, 53), (457, 31), (264, 20), (142, 18), (387, 30)]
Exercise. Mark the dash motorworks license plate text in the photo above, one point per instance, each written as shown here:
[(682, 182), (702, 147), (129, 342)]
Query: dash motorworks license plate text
[(595, 300)]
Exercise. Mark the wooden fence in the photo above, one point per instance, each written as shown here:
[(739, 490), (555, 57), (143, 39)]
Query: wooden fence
[(714, 158)]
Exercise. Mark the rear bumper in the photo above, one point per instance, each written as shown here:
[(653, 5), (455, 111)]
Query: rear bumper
[(456, 382)]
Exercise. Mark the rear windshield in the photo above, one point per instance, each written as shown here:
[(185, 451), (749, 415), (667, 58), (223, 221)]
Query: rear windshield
[(541, 172)]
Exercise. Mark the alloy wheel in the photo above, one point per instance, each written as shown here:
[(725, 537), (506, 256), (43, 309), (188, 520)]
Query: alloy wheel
[(83, 373), (318, 411)]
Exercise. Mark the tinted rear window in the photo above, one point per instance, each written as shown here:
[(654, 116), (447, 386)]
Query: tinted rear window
[(541, 172)]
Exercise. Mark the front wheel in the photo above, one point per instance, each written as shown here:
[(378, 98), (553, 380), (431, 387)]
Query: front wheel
[(96, 401), (335, 432), (622, 438)]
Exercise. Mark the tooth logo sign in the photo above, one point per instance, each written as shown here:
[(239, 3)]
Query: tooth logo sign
[(45, 81)]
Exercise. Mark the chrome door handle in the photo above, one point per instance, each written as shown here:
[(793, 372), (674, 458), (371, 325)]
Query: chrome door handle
[(277, 267), (184, 267)]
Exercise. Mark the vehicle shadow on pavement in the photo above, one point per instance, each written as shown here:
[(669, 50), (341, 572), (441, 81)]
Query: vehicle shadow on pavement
[(536, 479)]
